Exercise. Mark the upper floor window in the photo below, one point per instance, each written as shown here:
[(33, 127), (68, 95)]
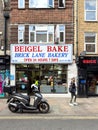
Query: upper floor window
[(41, 3), (21, 4), (41, 33), (90, 42), (47, 33), (21, 30), (59, 33), (90, 10), (61, 3)]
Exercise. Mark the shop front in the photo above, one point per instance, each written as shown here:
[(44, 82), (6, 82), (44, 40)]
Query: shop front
[(51, 77), (4, 73), (88, 76), (46, 63)]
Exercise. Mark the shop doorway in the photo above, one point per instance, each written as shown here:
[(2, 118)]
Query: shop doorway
[(92, 83)]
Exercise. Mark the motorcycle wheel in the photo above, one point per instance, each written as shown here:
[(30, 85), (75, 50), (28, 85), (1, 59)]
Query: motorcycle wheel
[(44, 107), (13, 108)]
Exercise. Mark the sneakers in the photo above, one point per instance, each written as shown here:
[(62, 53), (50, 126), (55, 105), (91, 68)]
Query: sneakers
[(71, 104), (75, 103)]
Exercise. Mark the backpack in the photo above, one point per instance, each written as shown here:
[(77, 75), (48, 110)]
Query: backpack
[(70, 88)]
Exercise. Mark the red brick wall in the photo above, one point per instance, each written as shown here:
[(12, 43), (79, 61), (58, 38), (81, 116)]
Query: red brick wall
[(1, 24), (42, 16)]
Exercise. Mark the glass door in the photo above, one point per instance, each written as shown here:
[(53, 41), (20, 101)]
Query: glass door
[(21, 81), (25, 76)]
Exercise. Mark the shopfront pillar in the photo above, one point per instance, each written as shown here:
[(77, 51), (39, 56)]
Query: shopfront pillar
[(12, 74)]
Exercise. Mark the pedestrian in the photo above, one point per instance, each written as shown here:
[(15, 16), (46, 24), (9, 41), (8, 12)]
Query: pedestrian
[(37, 83), (72, 89)]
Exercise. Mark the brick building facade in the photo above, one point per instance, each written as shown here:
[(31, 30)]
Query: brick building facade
[(37, 24), (58, 17), (56, 23), (1, 27), (53, 15), (4, 58), (87, 45)]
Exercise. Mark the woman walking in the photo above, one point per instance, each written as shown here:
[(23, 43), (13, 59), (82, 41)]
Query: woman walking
[(72, 90)]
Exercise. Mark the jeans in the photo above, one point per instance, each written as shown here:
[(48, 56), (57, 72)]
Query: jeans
[(73, 97)]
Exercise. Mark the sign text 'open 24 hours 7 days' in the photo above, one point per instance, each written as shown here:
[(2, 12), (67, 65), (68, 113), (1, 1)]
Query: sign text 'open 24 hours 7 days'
[(41, 53)]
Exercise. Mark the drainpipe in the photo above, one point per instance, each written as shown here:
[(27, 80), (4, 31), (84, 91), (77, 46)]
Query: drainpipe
[(6, 17), (76, 28)]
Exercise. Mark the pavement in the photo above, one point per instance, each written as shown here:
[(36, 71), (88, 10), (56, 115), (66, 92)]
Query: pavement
[(59, 106)]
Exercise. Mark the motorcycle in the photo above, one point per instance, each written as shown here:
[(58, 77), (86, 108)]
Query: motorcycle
[(19, 102)]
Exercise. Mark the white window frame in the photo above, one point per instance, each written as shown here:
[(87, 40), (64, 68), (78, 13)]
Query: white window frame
[(87, 10), (92, 43), (50, 29), (63, 31), (31, 5), (21, 30), (51, 5), (21, 4), (63, 1), (32, 30), (38, 28), (57, 33)]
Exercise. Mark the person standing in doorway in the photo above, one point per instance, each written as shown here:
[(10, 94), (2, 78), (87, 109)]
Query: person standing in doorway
[(72, 89), (37, 83)]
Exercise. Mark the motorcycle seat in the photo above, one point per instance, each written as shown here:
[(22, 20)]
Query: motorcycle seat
[(24, 96)]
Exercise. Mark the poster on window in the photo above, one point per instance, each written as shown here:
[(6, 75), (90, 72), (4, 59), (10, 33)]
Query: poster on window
[(1, 84), (41, 53)]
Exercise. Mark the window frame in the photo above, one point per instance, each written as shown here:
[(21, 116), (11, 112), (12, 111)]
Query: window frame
[(21, 32), (36, 30), (35, 7), (57, 33), (86, 11), (63, 34), (52, 33), (91, 43), (19, 4), (59, 4)]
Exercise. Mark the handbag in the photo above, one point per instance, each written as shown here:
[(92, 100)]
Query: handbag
[(70, 88)]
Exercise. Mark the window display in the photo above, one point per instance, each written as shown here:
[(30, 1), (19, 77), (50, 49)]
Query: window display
[(52, 78), (92, 83)]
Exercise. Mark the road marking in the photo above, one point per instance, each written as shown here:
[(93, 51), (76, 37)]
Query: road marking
[(49, 117)]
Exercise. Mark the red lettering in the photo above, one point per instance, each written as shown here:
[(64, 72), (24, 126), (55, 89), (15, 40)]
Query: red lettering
[(43, 60), (16, 48), (57, 48), (27, 60), (60, 49), (89, 61), (54, 49), (65, 48), (21, 48), (54, 60), (28, 49), (49, 48)]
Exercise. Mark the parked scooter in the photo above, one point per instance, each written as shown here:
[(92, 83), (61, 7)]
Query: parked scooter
[(17, 101)]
